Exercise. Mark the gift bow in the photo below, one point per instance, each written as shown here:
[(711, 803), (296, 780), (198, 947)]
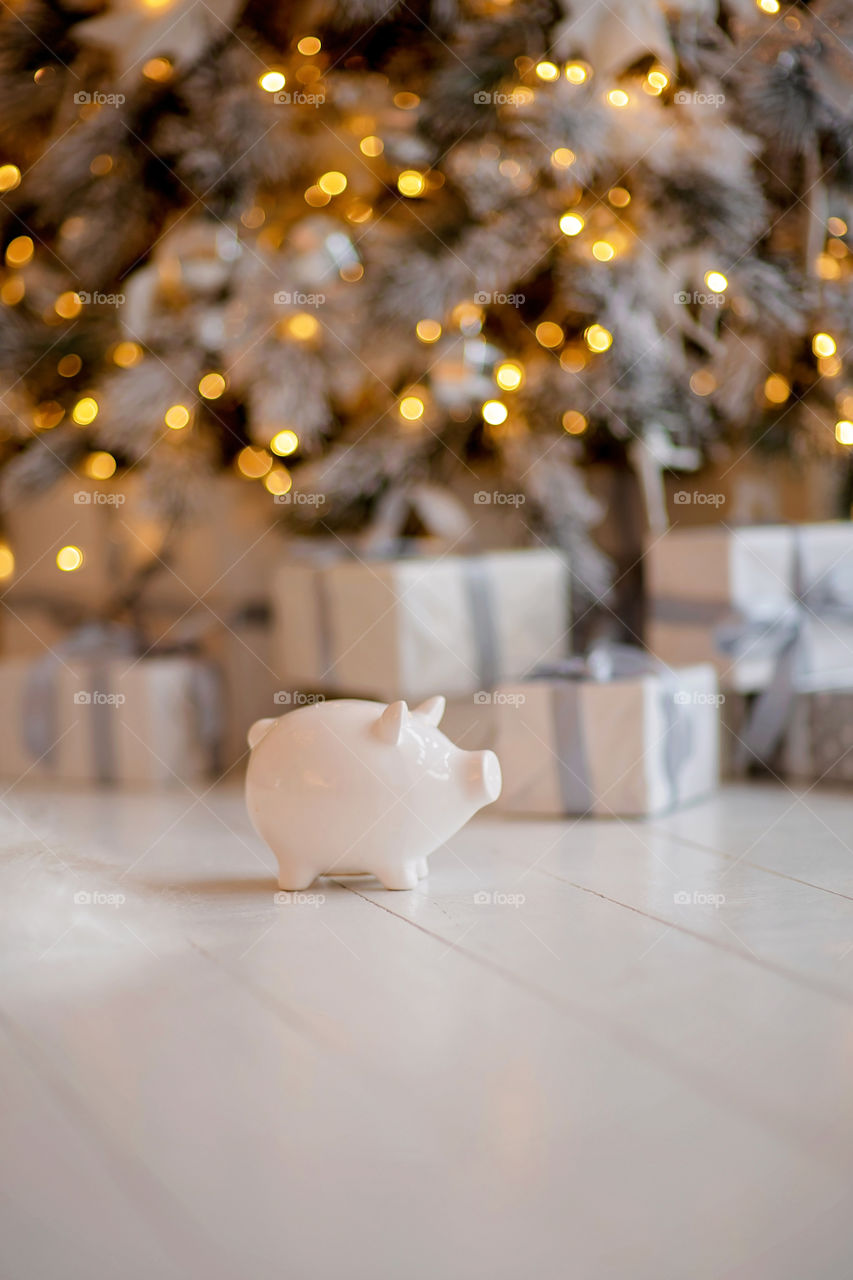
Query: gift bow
[(782, 638), (99, 644), (601, 664)]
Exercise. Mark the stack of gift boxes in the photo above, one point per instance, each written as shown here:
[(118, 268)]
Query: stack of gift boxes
[(132, 654), (749, 628)]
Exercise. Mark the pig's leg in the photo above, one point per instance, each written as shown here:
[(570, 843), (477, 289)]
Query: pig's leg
[(293, 878), (422, 868), (397, 873)]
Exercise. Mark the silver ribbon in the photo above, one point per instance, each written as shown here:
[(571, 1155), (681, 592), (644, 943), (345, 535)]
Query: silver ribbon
[(783, 639), (603, 663), (484, 625)]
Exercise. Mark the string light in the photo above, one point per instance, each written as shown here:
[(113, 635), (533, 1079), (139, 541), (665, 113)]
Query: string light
[(359, 211), (19, 251), (562, 158), (253, 463), (574, 422), (618, 98), (371, 146), (549, 334), (571, 224), (428, 330), (48, 415), (177, 416), (68, 305), (7, 561), (333, 182), (716, 281), (411, 183), (703, 382), (302, 326), (598, 338), (406, 101), (101, 165), (284, 443), (309, 45), (576, 72), (272, 81), (12, 290), (85, 411), (278, 481), (10, 177), (157, 69), (777, 389), (411, 408), (656, 81), (99, 466), (316, 197), (829, 366), (351, 272), (69, 558), (837, 226), (768, 6), (619, 197), (844, 432), (509, 376), (494, 412), (547, 71), (823, 344), (69, 366), (127, 354), (211, 386), (603, 251)]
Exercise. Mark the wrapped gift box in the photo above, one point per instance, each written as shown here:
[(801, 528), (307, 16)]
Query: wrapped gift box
[(224, 552), (734, 597), (412, 627), (109, 720), (818, 742), (631, 746)]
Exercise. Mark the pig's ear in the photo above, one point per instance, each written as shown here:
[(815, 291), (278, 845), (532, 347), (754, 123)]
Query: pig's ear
[(432, 710), (392, 722), (259, 730)]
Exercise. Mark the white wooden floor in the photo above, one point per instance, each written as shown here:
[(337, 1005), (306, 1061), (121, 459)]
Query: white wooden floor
[(642, 1066)]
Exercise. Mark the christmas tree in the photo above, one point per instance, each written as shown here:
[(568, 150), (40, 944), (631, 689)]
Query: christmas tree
[(364, 252)]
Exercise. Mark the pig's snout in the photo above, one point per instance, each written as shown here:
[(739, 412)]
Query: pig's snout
[(484, 776)]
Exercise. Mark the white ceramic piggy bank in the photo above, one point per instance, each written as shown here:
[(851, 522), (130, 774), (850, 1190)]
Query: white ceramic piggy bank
[(351, 787)]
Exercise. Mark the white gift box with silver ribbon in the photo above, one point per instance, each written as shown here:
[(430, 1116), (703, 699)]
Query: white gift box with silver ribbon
[(413, 626), (742, 597), (588, 740), (91, 711)]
